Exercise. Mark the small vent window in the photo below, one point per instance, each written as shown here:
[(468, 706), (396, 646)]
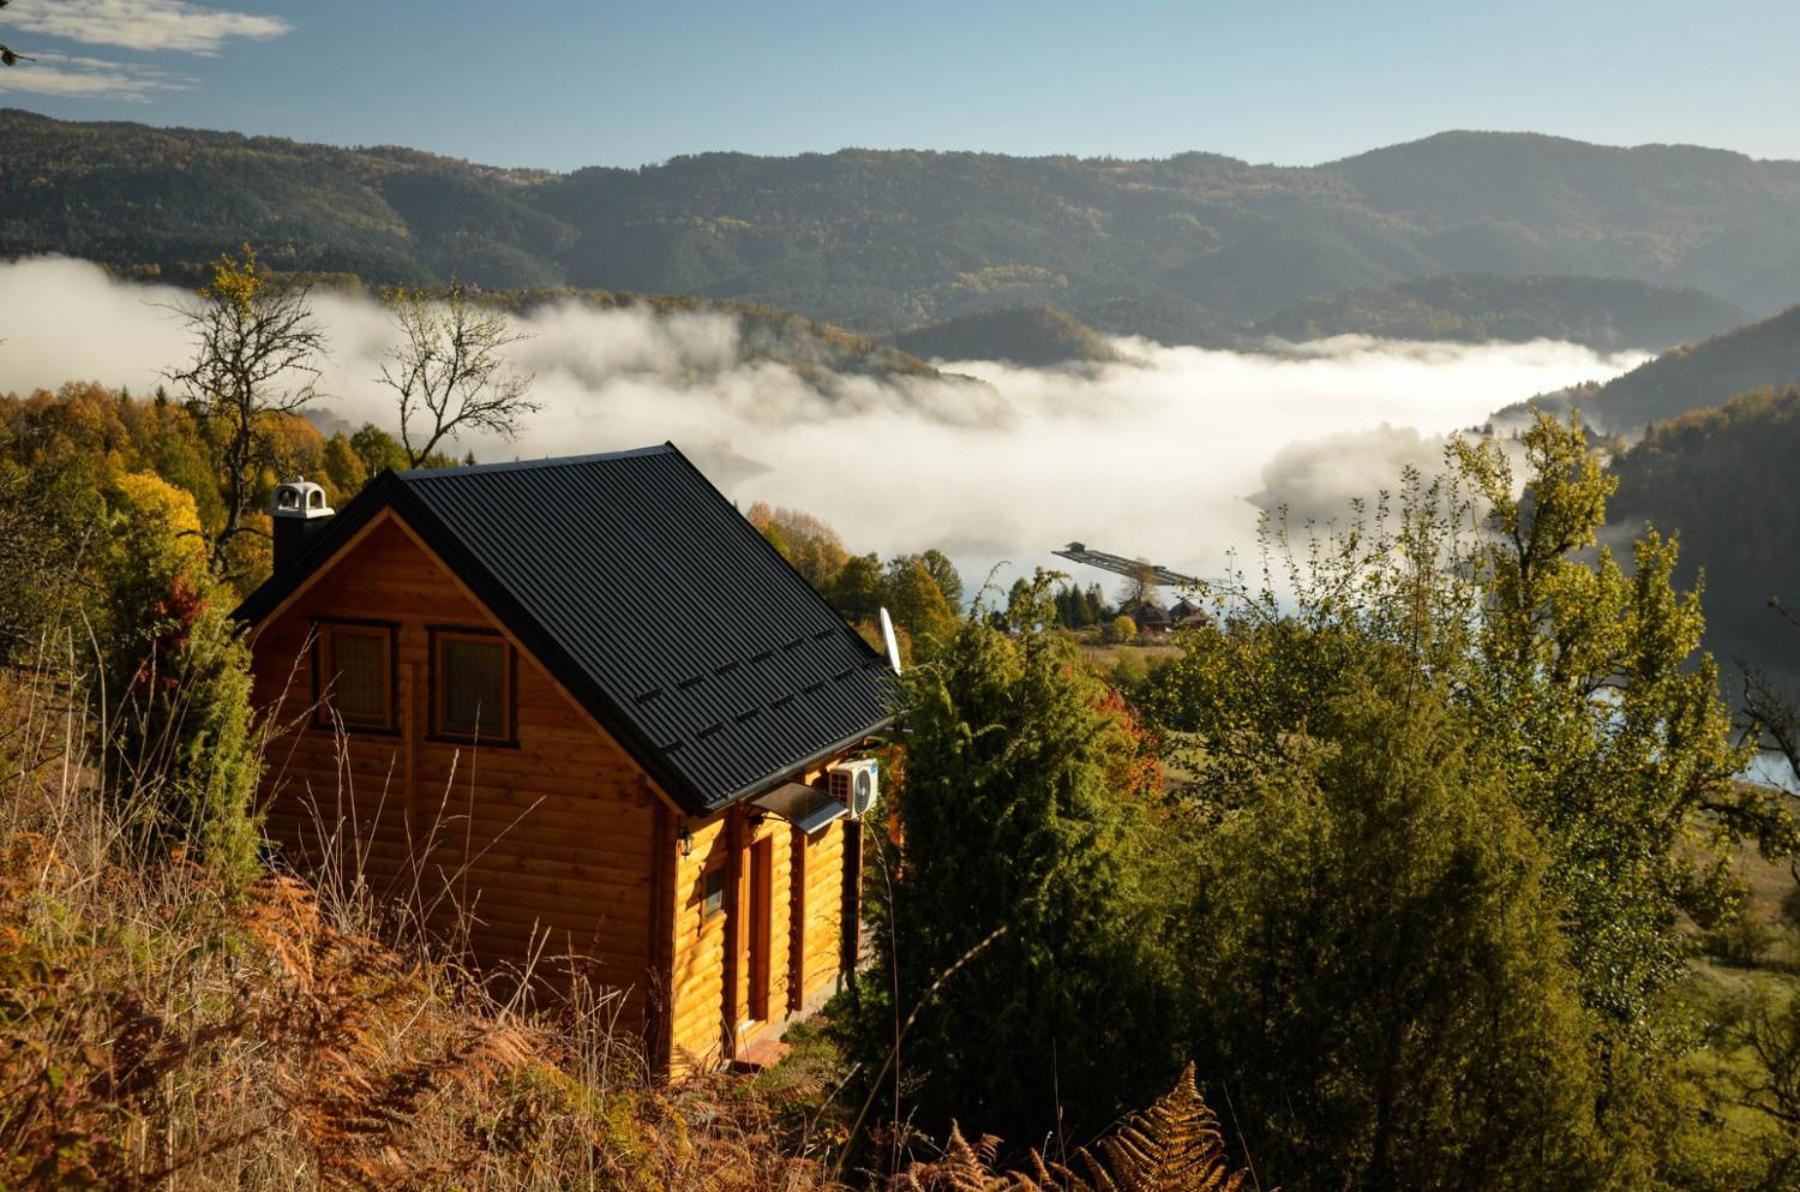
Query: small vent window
[(354, 677), (472, 674)]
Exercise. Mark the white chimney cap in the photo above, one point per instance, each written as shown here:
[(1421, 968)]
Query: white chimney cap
[(299, 498)]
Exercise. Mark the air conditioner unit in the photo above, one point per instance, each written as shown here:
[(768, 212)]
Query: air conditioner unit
[(856, 784)]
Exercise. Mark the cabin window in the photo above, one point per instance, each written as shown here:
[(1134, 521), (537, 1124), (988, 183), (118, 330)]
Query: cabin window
[(353, 675), (472, 681), (712, 900)]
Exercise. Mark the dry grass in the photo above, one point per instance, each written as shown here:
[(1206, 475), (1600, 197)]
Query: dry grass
[(158, 1028)]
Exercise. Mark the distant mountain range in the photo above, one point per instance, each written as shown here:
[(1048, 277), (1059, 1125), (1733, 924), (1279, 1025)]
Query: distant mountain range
[(1196, 248)]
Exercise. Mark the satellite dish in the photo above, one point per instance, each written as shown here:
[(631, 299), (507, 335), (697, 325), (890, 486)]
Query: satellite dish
[(887, 635)]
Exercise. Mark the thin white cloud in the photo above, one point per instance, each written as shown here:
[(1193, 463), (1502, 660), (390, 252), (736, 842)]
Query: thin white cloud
[(90, 78), (173, 25)]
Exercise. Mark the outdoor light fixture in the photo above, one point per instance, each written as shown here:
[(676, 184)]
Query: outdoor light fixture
[(684, 840)]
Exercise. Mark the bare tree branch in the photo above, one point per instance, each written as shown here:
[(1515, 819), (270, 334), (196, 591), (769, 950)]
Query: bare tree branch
[(450, 372)]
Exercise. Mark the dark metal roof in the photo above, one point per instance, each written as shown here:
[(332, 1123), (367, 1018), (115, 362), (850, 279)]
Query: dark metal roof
[(1150, 614), (639, 586)]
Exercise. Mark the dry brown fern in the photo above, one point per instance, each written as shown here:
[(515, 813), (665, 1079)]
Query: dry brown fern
[(962, 1168), (1174, 1146)]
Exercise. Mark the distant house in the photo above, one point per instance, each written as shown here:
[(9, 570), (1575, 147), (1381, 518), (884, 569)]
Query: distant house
[(1185, 612), (586, 699), (1152, 619)]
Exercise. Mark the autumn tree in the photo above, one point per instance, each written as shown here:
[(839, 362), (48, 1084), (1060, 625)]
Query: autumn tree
[(256, 349), (857, 591), (344, 468), (1617, 743), (915, 598), (183, 756), (943, 573), (1140, 586), (449, 373), (813, 547)]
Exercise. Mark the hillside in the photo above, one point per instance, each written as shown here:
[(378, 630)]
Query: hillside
[(1756, 356), (1187, 247), (1604, 313), (1721, 478), (1035, 336)]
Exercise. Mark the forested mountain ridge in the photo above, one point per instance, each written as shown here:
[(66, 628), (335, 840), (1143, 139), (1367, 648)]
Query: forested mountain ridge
[(1191, 247), (1693, 377), (1604, 313), (1721, 478)]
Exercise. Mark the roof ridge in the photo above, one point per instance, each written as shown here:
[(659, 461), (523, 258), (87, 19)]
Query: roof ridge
[(546, 461)]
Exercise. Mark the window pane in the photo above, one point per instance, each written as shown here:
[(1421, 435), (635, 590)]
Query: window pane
[(713, 902), (473, 678), (360, 684)]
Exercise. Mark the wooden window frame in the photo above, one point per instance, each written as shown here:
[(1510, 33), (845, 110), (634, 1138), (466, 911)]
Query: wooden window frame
[(322, 718), (436, 635)]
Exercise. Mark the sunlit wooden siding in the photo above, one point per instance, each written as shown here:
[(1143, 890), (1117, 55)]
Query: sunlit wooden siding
[(554, 840), (710, 998), (822, 943), (697, 1004)]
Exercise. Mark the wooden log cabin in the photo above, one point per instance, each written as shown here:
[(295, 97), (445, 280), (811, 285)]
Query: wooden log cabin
[(592, 714)]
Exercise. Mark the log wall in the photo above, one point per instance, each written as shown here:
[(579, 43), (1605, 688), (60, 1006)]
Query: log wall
[(549, 842)]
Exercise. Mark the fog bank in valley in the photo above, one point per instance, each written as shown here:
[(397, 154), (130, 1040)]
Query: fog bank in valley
[(1168, 456)]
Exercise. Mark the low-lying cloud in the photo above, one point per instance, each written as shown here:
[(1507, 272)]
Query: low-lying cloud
[(1160, 458)]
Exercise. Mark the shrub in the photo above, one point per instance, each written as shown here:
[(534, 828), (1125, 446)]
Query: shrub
[(182, 748), (1014, 923)]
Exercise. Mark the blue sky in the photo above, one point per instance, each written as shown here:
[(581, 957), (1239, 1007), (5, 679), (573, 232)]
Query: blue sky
[(565, 83)]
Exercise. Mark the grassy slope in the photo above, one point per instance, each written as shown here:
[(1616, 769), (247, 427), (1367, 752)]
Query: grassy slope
[(157, 1027)]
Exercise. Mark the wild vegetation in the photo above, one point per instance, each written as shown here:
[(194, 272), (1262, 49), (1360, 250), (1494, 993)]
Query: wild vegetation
[(1451, 815)]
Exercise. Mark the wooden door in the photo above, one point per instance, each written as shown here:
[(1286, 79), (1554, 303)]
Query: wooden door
[(759, 927)]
